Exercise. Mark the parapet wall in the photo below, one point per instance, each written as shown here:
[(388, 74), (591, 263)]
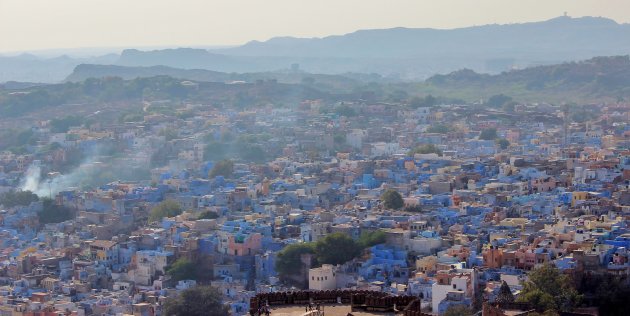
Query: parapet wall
[(357, 299)]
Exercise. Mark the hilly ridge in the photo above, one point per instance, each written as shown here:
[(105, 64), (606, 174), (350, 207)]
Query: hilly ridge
[(592, 79), (398, 53)]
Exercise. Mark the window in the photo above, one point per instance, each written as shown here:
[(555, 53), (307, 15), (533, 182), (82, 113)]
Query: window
[(454, 286)]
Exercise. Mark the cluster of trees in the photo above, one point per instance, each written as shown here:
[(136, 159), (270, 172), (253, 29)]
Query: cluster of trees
[(488, 134), (336, 248), (502, 143), (53, 213), (345, 110), (50, 213), (491, 134), (425, 149), (197, 301), (62, 125), (208, 215), (418, 102), (168, 208), (246, 148), (549, 290), (15, 198), (16, 141), (223, 168), (498, 100), (392, 199), (608, 292), (93, 89), (184, 269)]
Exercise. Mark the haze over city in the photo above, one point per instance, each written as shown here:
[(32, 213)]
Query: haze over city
[(314, 158)]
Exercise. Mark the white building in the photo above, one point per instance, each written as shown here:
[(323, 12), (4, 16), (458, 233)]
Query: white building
[(323, 278), (458, 280)]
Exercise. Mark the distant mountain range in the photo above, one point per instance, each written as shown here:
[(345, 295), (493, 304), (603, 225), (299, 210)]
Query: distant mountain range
[(399, 53), (599, 78), (593, 80), (589, 79)]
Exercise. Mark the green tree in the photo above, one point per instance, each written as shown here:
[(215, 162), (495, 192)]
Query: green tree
[(369, 239), (505, 294), (426, 149), (345, 110), (610, 292), (336, 248), (392, 199), (503, 143), (509, 106), (488, 134), (215, 151), (413, 208), (15, 198), (223, 168), (498, 100), (182, 269), (427, 101), (62, 125), (549, 289), (288, 261), (168, 208), (52, 213), (198, 301), (250, 152), (208, 215), (459, 310)]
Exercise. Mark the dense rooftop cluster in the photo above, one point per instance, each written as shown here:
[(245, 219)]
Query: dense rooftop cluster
[(453, 204)]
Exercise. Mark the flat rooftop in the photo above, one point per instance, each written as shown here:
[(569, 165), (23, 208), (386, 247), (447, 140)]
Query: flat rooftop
[(329, 310)]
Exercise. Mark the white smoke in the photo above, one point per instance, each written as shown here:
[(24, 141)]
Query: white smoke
[(32, 178), (88, 174), (55, 182)]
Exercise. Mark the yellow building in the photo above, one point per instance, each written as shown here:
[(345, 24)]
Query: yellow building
[(578, 196)]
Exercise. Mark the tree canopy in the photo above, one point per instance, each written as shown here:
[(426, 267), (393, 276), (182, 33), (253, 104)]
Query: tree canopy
[(197, 301), (426, 149), (223, 168), (336, 248), (369, 239), (168, 208), (53, 213), (498, 100), (505, 294), (488, 134), (288, 261), (182, 269), (208, 215), (15, 198), (392, 199), (62, 125), (549, 289), (503, 143), (427, 101)]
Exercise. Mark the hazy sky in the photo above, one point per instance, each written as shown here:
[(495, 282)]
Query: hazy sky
[(45, 24)]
